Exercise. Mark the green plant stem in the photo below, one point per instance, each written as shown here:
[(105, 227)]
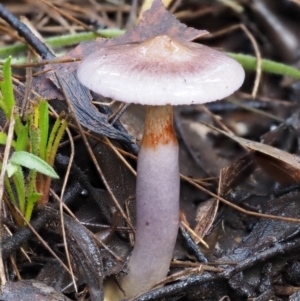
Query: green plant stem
[(8, 100), (12, 198), (32, 200), (32, 179), (43, 127), (32, 195), (22, 139), (51, 139), (19, 182), (9, 190), (63, 40), (35, 138), (249, 63), (55, 145)]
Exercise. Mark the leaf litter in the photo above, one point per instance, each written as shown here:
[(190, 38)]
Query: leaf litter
[(244, 181)]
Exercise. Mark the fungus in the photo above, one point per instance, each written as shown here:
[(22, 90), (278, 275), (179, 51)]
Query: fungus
[(159, 73)]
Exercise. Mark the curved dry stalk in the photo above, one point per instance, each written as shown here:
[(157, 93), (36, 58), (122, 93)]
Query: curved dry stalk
[(240, 209), (61, 206), (2, 175)]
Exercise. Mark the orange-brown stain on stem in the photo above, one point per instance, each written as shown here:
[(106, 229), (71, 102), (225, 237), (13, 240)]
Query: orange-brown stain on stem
[(158, 128)]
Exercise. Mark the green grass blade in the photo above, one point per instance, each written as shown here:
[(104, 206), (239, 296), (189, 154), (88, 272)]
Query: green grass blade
[(35, 139), (52, 138), (32, 200), (18, 124), (7, 101), (31, 161), (43, 127), (7, 89), (3, 138), (56, 142), (31, 184), (18, 179), (9, 191), (249, 63), (31, 193), (63, 40), (2, 102), (22, 139)]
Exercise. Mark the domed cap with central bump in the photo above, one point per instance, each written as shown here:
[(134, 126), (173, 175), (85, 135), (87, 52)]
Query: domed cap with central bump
[(161, 71)]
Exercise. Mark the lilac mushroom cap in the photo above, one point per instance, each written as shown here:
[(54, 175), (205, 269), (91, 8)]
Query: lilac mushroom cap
[(159, 72)]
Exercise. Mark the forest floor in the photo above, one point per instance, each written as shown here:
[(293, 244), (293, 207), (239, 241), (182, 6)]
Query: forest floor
[(240, 170)]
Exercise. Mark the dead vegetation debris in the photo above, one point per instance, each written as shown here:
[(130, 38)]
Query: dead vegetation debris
[(239, 176)]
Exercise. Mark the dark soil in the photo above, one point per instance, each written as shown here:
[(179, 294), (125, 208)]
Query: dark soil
[(248, 256)]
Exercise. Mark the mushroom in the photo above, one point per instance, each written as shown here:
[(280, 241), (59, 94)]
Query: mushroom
[(159, 72)]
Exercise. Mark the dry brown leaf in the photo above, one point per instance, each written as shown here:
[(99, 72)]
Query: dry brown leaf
[(235, 173), (281, 165), (205, 216)]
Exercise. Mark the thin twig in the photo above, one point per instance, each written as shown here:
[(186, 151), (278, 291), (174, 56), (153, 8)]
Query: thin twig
[(256, 111), (216, 119), (280, 102), (15, 267), (251, 213), (2, 175), (69, 17), (258, 57), (21, 249), (116, 116), (44, 62), (100, 103), (194, 234), (61, 207)]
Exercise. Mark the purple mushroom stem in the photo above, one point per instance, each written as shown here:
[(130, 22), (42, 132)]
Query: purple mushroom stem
[(157, 202)]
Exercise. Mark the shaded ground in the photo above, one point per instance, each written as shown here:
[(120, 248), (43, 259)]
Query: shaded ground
[(247, 257)]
